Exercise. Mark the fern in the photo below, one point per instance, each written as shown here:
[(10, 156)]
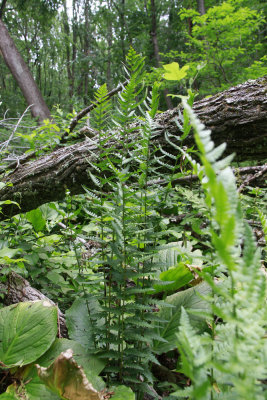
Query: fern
[(263, 220), (236, 362), (127, 237)]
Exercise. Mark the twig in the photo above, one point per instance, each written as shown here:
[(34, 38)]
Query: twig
[(88, 109), (259, 171), (6, 143), (81, 240), (251, 178)]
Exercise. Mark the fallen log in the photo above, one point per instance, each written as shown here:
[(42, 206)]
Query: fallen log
[(19, 290), (237, 116)]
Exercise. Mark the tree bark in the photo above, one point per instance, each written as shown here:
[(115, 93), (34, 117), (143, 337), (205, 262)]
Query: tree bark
[(22, 75), (109, 41), (201, 7), (154, 40), (86, 48), (237, 116), (19, 290), (67, 46)]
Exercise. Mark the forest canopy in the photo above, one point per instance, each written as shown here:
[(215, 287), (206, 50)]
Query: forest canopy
[(73, 47)]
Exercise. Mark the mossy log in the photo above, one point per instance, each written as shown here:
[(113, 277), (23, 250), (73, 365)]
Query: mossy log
[(237, 116)]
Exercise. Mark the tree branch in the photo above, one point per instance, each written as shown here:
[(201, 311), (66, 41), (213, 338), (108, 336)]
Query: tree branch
[(88, 109)]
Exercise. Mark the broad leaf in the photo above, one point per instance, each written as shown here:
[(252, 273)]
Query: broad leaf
[(123, 393), (66, 378), (91, 365), (36, 389), (7, 252), (27, 330), (8, 396), (189, 299), (79, 321), (36, 219), (174, 72), (179, 277)]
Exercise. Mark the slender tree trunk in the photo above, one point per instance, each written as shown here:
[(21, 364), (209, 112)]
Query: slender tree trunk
[(154, 39), (86, 48), (2, 7), (22, 75), (122, 18), (201, 7), (109, 40), (74, 45), (67, 46)]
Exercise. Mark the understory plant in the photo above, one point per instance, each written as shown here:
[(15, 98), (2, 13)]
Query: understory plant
[(150, 285), (230, 361)]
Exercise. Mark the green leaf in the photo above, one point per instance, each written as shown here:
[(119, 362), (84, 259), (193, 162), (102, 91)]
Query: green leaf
[(92, 366), (189, 299), (10, 393), (173, 71), (9, 202), (8, 396), (7, 252), (35, 217), (79, 321), (27, 330), (36, 390), (179, 276), (123, 393)]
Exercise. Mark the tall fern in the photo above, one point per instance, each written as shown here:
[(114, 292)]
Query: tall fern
[(122, 207), (230, 362)]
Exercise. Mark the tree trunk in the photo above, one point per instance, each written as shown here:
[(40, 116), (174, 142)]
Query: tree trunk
[(201, 7), (236, 116), (22, 75), (86, 48), (109, 41), (154, 39), (74, 44), (67, 46)]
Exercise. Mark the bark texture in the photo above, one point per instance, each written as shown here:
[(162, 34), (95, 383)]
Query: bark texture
[(22, 75), (19, 290), (237, 116)]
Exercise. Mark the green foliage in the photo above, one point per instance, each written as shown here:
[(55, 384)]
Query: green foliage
[(219, 364), (141, 265), (222, 38), (27, 330), (122, 217), (28, 338), (123, 392), (173, 72), (191, 300)]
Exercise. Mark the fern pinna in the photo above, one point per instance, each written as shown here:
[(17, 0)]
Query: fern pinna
[(122, 208), (230, 362)]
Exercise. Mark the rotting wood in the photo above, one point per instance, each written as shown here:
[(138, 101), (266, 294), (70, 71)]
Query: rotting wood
[(19, 290), (238, 123)]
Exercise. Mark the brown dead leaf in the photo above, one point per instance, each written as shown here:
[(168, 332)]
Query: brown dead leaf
[(66, 378)]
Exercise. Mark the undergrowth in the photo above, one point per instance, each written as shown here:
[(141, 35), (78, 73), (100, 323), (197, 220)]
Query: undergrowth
[(149, 267)]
